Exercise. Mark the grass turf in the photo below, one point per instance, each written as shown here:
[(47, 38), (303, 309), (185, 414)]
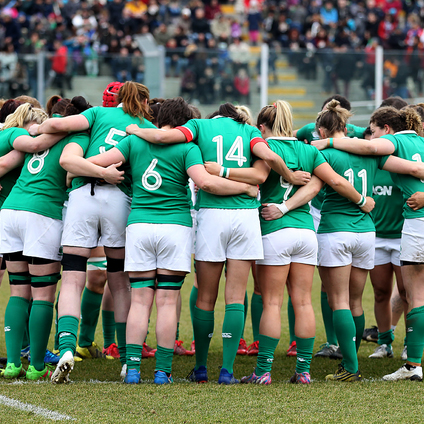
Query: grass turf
[(96, 394)]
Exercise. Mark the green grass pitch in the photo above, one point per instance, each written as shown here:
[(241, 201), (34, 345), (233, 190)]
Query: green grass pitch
[(96, 394)]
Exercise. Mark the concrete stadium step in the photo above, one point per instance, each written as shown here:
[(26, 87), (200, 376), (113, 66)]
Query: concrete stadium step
[(287, 91)]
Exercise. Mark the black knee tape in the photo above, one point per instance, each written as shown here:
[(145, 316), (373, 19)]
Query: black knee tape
[(45, 280), (16, 257), (74, 262), (19, 278), (403, 263), (115, 265), (169, 282), (41, 261)]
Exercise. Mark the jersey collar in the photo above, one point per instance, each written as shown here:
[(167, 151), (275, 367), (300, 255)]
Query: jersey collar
[(405, 132), (120, 105), (281, 138)]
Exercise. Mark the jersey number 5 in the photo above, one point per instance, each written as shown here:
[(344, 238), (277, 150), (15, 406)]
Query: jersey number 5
[(109, 138)]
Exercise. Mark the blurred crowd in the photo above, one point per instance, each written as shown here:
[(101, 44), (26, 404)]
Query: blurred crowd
[(208, 43)]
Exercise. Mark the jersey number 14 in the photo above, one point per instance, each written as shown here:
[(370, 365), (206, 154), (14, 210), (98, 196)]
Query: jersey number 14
[(235, 153)]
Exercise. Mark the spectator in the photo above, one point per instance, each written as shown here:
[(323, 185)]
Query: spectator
[(137, 64), (161, 35), (207, 83), (188, 84), (173, 59), (254, 19), (12, 30), (91, 59), (212, 10), (386, 27), (329, 14), (242, 87), (200, 23), (32, 46), (115, 8), (122, 66), (221, 28), (239, 54), (8, 64), (59, 65)]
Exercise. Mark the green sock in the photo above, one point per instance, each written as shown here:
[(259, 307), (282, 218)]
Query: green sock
[(164, 359), (108, 326), (267, 346), (345, 329), (256, 308), (290, 313), (193, 300), (386, 337), (414, 334), (90, 309), (231, 333), (68, 330), (40, 324), (134, 356), (327, 317), (359, 325), (121, 336), (25, 340), (246, 308), (56, 322), (177, 334), (203, 324), (15, 322), (304, 349)]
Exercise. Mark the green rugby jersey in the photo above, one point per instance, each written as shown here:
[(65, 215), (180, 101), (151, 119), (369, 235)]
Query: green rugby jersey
[(227, 142), (387, 214), (339, 213), (309, 133), (297, 156), (408, 145), (41, 187), (159, 174), (108, 126), (7, 137)]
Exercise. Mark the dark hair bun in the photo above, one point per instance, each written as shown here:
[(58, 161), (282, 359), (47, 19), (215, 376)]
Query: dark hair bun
[(78, 104)]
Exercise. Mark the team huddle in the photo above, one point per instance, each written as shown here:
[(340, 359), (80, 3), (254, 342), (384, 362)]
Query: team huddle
[(152, 183)]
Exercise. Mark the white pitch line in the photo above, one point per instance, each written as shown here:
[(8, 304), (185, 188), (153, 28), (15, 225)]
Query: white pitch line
[(26, 407)]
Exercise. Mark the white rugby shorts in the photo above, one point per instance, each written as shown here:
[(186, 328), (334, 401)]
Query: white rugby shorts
[(345, 248), (228, 234), (412, 241), (387, 251), (103, 216), (31, 233), (153, 246), (289, 245)]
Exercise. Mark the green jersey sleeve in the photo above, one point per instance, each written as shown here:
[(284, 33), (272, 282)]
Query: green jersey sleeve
[(124, 146), (190, 129), (90, 114), (308, 132), (354, 131), (193, 156), (13, 134), (408, 145)]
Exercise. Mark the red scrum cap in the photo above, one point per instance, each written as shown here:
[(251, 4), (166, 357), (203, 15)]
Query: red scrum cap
[(111, 93)]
